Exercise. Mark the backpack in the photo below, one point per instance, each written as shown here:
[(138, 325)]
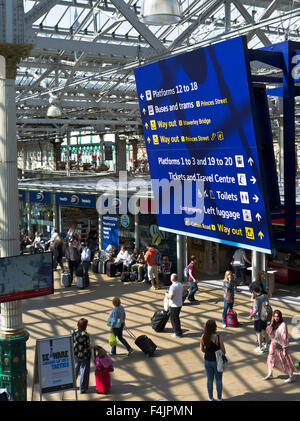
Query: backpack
[(266, 312), (231, 318), (158, 258), (186, 271)]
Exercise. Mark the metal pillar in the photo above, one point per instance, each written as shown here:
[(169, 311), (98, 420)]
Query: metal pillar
[(13, 337), (258, 262), (136, 231), (179, 250)]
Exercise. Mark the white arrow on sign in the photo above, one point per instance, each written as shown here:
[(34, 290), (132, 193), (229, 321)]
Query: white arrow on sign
[(144, 111), (260, 234), (253, 179), (258, 216), (142, 96), (250, 160), (255, 198)]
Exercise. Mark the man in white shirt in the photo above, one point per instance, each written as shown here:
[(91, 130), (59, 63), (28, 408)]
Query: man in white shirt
[(238, 265), (175, 297), (85, 260)]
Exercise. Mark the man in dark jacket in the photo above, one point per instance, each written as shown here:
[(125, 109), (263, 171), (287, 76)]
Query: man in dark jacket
[(73, 258)]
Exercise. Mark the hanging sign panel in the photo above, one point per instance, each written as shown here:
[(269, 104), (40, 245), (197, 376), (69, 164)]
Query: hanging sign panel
[(197, 115)]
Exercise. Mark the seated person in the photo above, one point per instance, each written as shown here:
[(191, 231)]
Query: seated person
[(130, 260), (138, 266), (121, 258), (166, 265)]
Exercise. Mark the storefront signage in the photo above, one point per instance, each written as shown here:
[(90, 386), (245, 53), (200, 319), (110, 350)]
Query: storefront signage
[(79, 200), (110, 231), (22, 195), (199, 126), (39, 197), (54, 364)]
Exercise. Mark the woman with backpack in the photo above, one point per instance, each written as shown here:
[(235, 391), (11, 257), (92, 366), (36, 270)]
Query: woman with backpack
[(210, 343), (279, 356)]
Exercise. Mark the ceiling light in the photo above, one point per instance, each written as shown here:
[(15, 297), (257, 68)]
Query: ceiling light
[(160, 12)]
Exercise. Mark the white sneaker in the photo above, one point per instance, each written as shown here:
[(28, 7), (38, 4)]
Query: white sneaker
[(268, 377), (258, 350), (290, 380), (224, 325)]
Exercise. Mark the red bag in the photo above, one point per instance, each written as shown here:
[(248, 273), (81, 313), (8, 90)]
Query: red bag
[(103, 382), (231, 318)]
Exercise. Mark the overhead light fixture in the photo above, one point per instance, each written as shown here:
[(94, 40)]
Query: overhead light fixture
[(160, 12), (54, 110)]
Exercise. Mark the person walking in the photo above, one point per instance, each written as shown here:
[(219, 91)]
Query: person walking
[(116, 322), (279, 356), (82, 354), (228, 287), (210, 342), (175, 296), (85, 260), (259, 325), (151, 260), (192, 280), (73, 258), (58, 253), (239, 261)]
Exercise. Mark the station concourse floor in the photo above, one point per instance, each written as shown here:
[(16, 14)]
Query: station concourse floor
[(176, 372)]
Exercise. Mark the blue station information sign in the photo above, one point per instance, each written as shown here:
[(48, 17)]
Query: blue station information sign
[(197, 112)]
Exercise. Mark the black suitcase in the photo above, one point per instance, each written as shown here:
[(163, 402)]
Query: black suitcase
[(111, 269), (159, 320), (165, 278), (95, 266), (144, 343), (125, 276), (79, 270)]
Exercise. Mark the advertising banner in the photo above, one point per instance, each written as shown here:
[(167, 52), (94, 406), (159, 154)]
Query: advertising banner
[(110, 231), (54, 364), (199, 127), (78, 200)]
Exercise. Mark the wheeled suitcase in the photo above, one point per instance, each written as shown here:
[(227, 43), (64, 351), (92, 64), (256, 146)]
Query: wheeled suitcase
[(144, 343), (165, 278), (159, 320), (79, 282), (79, 270), (95, 266), (103, 381), (65, 279), (102, 266), (111, 269)]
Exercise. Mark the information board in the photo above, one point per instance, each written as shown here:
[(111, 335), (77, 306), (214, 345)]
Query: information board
[(198, 120), (26, 276)]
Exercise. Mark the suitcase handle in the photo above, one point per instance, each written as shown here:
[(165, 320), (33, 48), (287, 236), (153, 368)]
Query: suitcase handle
[(130, 333)]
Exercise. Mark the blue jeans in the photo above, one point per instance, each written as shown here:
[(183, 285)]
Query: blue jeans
[(211, 373), (193, 289), (226, 308), (118, 331), (83, 366)]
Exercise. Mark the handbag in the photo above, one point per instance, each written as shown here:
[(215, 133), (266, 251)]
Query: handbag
[(117, 324), (221, 359), (251, 312), (166, 303), (112, 340), (228, 298)]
